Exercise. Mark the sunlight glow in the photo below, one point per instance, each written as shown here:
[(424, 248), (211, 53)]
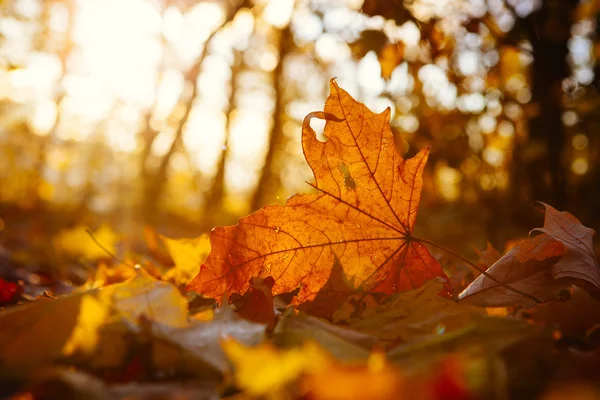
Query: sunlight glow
[(448, 180), (493, 156), (580, 166), (331, 47), (468, 62), (369, 74), (123, 57), (279, 12), (43, 118), (580, 141), (204, 133)]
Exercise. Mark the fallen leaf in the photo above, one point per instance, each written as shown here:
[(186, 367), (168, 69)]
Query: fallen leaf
[(579, 262), (484, 336), (488, 256), (375, 379), (266, 370), (541, 266), (413, 314), (336, 294), (308, 370), (8, 291), (69, 383), (104, 275), (78, 242), (146, 297), (188, 255), (41, 332), (572, 391), (525, 268), (256, 304), (362, 215), (341, 342), (200, 341), (573, 317), (84, 337), (90, 327)]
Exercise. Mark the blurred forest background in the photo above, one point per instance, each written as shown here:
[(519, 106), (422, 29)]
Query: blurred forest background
[(183, 114)]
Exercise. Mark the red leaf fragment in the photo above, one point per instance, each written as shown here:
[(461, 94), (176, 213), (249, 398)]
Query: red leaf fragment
[(8, 291)]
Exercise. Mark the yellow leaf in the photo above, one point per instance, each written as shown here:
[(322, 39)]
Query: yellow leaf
[(77, 242), (92, 325), (374, 380), (266, 370), (144, 296), (206, 315), (92, 314), (188, 255), (104, 275)]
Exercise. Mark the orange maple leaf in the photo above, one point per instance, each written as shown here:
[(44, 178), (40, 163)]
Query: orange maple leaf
[(361, 217)]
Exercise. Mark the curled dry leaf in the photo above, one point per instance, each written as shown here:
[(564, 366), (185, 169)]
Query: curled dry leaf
[(526, 268), (579, 261), (537, 266), (362, 216)]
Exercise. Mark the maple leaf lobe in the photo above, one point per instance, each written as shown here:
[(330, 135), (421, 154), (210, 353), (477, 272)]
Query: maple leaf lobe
[(361, 216)]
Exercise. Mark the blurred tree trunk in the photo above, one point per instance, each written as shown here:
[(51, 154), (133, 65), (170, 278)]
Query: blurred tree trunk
[(213, 206), (539, 171), (155, 181), (268, 182), (63, 55)]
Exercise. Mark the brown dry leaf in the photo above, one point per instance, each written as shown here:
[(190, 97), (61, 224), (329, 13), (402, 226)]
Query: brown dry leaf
[(341, 342), (417, 313), (579, 261), (362, 216), (200, 341), (488, 256), (540, 266), (526, 268), (256, 304), (573, 317), (483, 336)]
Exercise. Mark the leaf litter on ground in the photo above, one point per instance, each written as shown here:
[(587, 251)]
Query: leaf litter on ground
[(369, 317)]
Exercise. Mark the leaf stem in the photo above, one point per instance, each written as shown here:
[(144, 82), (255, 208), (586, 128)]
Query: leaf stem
[(108, 252), (478, 268)]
